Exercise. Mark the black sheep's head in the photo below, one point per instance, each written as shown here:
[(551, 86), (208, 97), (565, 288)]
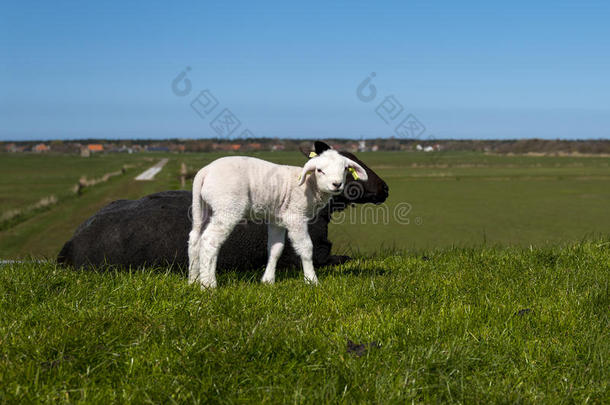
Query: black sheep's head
[(373, 190)]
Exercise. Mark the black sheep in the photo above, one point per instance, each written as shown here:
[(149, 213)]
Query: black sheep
[(153, 231)]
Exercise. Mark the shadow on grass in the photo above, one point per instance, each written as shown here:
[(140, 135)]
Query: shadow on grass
[(361, 266)]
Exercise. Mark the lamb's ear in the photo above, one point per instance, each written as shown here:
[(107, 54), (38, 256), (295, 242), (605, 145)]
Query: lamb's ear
[(309, 167), (320, 147), (357, 171)]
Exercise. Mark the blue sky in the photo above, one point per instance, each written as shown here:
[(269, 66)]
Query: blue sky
[(464, 69)]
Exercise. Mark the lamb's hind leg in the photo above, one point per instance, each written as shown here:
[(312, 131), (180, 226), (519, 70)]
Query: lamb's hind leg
[(214, 235), (276, 236), (200, 216), (193, 251)]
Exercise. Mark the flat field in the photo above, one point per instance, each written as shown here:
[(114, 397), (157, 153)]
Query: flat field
[(436, 200)]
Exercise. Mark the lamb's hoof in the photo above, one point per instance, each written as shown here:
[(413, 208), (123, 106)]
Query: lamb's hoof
[(268, 281), (312, 281), (207, 284)]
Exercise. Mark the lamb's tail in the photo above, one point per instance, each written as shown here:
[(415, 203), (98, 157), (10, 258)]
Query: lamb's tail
[(199, 218), (198, 202)]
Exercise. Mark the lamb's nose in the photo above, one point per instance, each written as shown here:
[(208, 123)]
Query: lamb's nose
[(337, 185)]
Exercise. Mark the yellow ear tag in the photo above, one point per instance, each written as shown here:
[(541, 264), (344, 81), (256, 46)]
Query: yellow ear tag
[(353, 172), (312, 154)]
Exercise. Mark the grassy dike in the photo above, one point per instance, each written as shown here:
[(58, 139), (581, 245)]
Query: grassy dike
[(479, 325)]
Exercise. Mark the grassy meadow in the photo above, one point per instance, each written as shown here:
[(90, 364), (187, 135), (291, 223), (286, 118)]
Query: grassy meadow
[(483, 279), (436, 200)]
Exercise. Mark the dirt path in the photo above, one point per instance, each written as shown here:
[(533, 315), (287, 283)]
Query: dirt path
[(149, 174)]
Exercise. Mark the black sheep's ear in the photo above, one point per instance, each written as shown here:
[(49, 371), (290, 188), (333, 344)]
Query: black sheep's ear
[(320, 147), (305, 152)]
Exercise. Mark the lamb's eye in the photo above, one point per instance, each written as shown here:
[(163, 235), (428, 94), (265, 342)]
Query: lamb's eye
[(320, 171)]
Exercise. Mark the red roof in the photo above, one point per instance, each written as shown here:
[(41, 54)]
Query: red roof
[(41, 147)]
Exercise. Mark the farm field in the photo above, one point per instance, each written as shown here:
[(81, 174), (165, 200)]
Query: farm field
[(493, 286), (436, 200), (29, 177)]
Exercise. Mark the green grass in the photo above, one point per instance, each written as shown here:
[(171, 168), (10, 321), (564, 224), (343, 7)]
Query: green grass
[(43, 232), (499, 294), (29, 177), (447, 321)]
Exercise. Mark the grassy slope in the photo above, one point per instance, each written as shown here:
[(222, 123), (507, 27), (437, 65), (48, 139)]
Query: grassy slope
[(447, 324)]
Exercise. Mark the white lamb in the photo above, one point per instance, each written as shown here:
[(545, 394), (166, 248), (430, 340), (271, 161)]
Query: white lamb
[(239, 187)]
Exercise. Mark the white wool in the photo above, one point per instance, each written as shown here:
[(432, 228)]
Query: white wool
[(285, 197)]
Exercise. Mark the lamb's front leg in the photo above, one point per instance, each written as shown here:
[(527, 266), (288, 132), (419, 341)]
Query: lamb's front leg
[(276, 236), (302, 245)]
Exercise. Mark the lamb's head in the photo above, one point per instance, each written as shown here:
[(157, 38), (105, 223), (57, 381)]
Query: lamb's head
[(356, 191), (330, 170)]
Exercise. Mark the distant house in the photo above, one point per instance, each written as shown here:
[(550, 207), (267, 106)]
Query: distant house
[(235, 147), (41, 147), (362, 146), (428, 148), (157, 149), (95, 147), (123, 149), (350, 146)]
